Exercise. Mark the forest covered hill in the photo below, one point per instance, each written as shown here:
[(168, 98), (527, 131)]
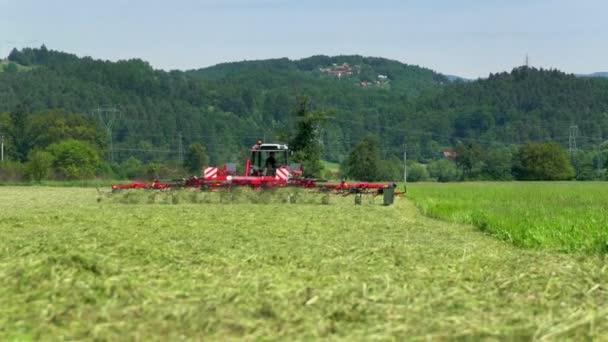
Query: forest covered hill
[(228, 106)]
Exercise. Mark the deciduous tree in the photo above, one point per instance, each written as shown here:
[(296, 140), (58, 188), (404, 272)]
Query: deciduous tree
[(196, 158), (542, 161), (306, 143), (363, 161)]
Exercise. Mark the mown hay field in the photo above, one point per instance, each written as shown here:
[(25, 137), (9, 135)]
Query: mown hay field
[(562, 216), (184, 266)]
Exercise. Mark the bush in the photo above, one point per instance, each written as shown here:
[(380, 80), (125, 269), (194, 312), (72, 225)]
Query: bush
[(39, 165), (390, 170), (416, 172), (11, 171), (444, 171), (585, 166), (131, 168), (108, 171), (154, 171), (74, 159), (497, 164)]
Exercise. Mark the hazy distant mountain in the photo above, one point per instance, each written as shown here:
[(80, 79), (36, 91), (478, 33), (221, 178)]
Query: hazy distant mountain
[(454, 78), (595, 74)]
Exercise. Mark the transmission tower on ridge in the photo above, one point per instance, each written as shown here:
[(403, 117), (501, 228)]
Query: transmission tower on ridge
[(180, 148), (572, 139), (107, 117)]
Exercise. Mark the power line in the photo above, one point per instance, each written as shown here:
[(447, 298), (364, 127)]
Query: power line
[(180, 149), (448, 137), (350, 134), (213, 139), (192, 133), (144, 150)]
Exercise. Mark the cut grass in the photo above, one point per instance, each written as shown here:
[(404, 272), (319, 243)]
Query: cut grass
[(565, 216), (233, 196), (72, 268), (91, 183)]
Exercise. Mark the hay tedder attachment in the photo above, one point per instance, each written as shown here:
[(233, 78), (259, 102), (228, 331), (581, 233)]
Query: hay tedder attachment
[(268, 168)]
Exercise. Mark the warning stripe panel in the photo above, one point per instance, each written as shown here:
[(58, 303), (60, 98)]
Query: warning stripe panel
[(283, 173), (211, 172)]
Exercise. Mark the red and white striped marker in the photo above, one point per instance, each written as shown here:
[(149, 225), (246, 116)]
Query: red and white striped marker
[(283, 173), (210, 172)]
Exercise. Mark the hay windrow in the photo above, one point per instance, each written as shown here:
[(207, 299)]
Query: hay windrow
[(231, 196)]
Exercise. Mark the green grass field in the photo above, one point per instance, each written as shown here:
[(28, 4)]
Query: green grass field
[(331, 165), (570, 217), (75, 268)]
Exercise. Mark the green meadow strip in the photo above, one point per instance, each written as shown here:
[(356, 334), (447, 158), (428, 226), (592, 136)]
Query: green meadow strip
[(562, 216)]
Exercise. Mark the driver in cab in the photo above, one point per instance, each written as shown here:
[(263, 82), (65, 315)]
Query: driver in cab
[(270, 166)]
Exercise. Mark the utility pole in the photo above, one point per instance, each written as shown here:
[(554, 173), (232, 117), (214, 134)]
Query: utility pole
[(1, 147), (599, 159), (107, 117), (599, 154), (572, 140), (405, 165)]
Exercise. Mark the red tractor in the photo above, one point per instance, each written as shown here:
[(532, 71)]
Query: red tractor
[(268, 167)]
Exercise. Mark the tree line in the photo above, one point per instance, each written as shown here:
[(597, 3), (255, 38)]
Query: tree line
[(56, 145), (531, 161)]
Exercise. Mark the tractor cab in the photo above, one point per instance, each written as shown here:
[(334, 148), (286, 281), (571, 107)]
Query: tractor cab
[(266, 159)]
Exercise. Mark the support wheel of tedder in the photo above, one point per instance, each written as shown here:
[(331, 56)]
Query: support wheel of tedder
[(358, 198)]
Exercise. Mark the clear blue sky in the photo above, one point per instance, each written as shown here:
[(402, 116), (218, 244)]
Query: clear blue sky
[(469, 38)]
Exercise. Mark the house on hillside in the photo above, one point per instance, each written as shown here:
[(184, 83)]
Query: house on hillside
[(338, 70), (450, 154)]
